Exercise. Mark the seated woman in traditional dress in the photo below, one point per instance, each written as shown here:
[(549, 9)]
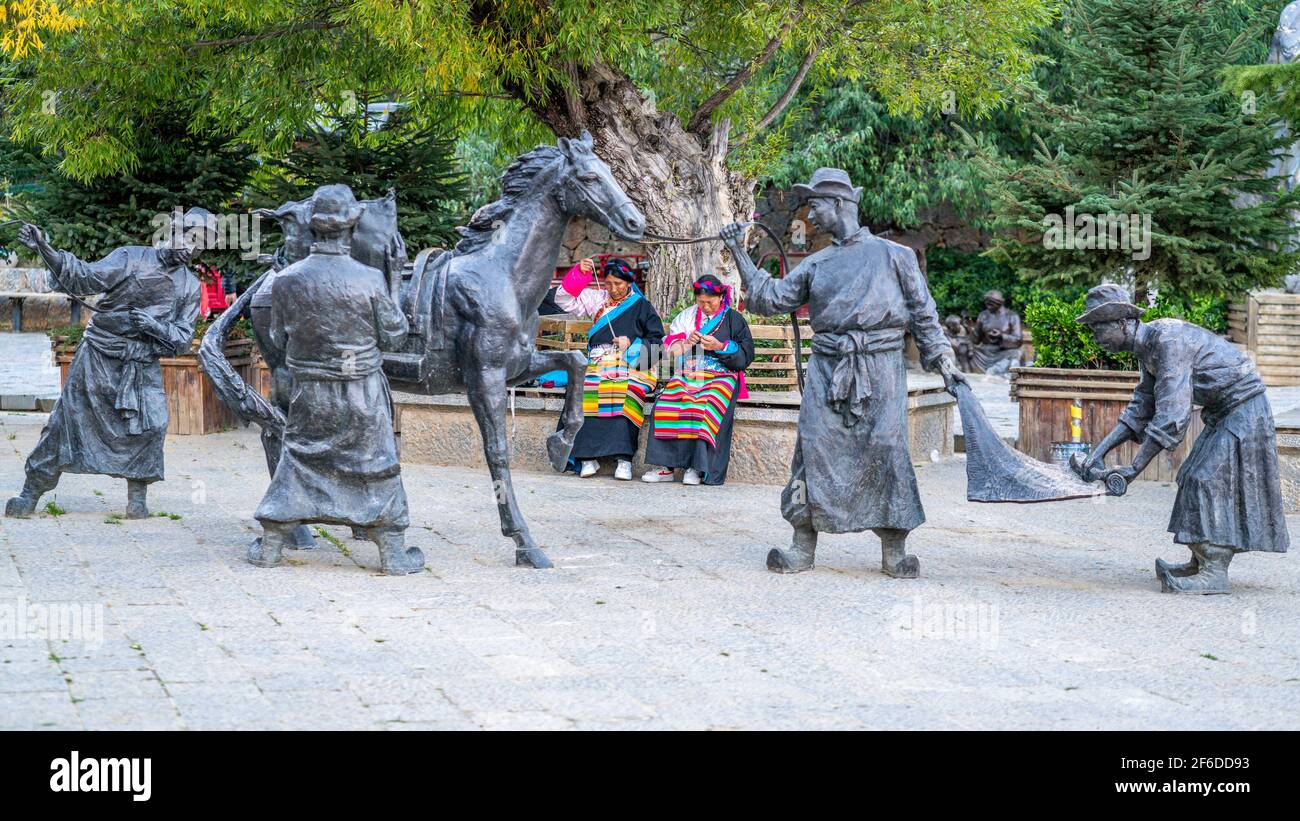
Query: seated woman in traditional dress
[(625, 330), (691, 426)]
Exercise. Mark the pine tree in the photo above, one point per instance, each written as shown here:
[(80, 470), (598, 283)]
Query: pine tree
[(415, 159), (177, 169), (1144, 127)]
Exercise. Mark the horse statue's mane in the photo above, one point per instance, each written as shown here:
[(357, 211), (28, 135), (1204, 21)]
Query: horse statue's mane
[(515, 182)]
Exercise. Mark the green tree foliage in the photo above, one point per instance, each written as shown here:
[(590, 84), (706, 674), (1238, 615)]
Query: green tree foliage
[(1060, 341), (260, 68), (1142, 126), (958, 281), (416, 159), (907, 163), (177, 168)]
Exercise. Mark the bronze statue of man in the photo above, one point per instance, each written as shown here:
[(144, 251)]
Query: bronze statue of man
[(111, 417), (852, 470), (996, 337), (1229, 492), (333, 317)]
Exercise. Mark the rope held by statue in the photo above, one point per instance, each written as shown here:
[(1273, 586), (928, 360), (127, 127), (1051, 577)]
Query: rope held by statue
[(657, 239)]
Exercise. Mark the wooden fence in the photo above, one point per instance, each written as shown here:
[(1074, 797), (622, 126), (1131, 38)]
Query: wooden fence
[(1267, 326)]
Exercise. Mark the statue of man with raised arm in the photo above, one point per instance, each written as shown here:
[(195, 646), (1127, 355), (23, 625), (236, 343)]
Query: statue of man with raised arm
[(852, 470), (111, 417)]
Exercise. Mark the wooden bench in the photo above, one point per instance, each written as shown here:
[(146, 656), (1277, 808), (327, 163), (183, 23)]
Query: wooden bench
[(771, 377)]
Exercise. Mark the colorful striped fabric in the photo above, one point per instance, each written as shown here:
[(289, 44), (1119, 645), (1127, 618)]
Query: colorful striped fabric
[(611, 389), (693, 405)]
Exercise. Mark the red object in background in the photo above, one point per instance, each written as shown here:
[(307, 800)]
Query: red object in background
[(213, 293)]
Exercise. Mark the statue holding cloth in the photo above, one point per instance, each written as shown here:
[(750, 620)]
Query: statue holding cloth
[(852, 470)]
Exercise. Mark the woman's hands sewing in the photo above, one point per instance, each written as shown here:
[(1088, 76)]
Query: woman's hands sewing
[(705, 341)]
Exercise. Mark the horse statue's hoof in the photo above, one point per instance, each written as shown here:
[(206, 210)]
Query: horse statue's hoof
[(558, 449), (532, 557), (302, 539)]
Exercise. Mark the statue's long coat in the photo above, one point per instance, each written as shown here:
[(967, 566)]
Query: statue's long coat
[(111, 417), (332, 316), (852, 468)]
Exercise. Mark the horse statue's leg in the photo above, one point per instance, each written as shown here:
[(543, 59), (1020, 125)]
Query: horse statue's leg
[(486, 388), (560, 444)]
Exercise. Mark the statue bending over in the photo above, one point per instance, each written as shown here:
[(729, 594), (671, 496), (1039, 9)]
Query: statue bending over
[(1229, 492)]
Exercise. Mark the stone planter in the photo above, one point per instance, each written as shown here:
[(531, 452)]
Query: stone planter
[(1045, 396), (192, 406)]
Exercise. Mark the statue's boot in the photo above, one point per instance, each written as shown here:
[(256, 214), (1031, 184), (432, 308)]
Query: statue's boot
[(303, 539), (894, 560), (136, 495), (23, 505), (268, 551), (799, 557), (1187, 568), (395, 558), (1211, 574)]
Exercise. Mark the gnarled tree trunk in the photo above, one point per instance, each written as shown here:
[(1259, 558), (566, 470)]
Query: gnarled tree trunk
[(678, 178)]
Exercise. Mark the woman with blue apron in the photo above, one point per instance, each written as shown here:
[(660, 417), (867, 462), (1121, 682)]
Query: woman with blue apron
[(625, 332)]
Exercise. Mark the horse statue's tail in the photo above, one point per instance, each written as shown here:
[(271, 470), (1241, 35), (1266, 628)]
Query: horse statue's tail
[(227, 384)]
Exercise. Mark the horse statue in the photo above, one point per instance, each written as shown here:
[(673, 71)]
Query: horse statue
[(473, 312)]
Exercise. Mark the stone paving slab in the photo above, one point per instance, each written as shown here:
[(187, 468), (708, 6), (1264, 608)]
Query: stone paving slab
[(659, 615)]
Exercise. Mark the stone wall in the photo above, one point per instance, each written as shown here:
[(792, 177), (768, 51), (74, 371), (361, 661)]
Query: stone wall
[(440, 430), (41, 311)]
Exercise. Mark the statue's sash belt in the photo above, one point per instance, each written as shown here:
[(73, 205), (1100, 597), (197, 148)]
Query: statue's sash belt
[(134, 354), (850, 385)]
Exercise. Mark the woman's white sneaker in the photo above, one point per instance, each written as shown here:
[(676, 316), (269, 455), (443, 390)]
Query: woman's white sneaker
[(589, 468), (624, 470), (691, 477), (663, 475)]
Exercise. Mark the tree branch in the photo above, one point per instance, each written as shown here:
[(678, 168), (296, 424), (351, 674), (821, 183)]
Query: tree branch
[(717, 98), (309, 25), (786, 96)]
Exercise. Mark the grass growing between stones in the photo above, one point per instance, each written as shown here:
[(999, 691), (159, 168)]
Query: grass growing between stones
[(52, 508)]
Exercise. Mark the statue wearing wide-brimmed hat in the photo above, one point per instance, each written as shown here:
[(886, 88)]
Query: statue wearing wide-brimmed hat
[(852, 470), (1229, 492)]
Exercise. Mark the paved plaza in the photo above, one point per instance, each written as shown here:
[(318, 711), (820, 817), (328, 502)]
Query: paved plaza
[(659, 615)]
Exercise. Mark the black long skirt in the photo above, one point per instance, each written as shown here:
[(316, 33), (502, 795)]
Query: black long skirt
[(1229, 488), (602, 436), (711, 462)]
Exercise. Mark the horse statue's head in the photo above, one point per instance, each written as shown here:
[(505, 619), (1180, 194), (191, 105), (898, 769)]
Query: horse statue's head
[(587, 189)]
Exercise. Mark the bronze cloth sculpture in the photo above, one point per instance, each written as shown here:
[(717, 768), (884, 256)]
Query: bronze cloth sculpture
[(332, 316), (111, 417), (851, 470), (1229, 494)]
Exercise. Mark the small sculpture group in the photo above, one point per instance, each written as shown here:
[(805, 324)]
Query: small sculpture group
[(992, 344), (337, 321)]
